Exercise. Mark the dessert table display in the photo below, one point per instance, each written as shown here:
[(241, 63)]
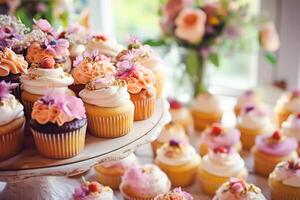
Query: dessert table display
[(30, 176)]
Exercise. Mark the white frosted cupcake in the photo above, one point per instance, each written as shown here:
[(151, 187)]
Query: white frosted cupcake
[(291, 128), (248, 98)]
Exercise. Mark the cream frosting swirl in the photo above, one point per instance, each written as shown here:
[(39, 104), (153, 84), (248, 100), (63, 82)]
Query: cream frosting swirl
[(290, 101), (39, 80), (291, 127), (11, 63), (172, 131), (123, 163), (106, 92), (247, 98), (207, 103), (10, 109), (223, 164)]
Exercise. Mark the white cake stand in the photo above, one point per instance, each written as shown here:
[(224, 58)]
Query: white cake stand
[(32, 177)]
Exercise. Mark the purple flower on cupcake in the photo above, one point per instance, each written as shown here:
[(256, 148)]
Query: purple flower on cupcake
[(8, 37), (57, 46), (5, 89), (125, 68), (44, 26)]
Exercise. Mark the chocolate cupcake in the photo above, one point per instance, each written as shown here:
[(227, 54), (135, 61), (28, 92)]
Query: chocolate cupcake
[(58, 125)]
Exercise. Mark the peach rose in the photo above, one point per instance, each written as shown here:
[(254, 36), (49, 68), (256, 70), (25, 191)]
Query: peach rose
[(190, 25), (173, 7), (268, 37)]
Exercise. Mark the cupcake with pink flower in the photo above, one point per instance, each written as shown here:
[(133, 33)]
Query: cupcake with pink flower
[(248, 98), (176, 193), (291, 128), (238, 189), (144, 182)]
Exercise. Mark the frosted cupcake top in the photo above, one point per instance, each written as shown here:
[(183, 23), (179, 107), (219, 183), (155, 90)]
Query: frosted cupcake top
[(57, 108), (10, 107), (11, 63), (178, 110), (238, 189), (105, 92), (207, 103), (248, 98), (254, 117), (177, 153), (93, 191), (216, 135), (104, 44), (291, 127), (275, 144), (136, 76), (175, 194), (287, 172), (141, 54), (223, 161), (290, 101), (172, 131), (147, 180), (124, 163), (91, 65)]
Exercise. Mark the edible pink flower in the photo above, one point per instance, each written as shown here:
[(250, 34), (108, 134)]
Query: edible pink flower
[(5, 89), (237, 185), (173, 7), (125, 68), (269, 38), (57, 47), (44, 25)]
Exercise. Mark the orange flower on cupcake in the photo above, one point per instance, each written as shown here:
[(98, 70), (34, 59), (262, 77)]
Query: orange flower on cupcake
[(268, 37), (190, 25)]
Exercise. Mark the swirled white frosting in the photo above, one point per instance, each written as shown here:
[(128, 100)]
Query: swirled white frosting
[(293, 105), (38, 80), (10, 110), (286, 176), (222, 164), (178, 115), (291, 127), (76, 50), (255, 119), (124, 163), (187, 154), (109, 47), (172, 132), (149, 59), (207, 103)]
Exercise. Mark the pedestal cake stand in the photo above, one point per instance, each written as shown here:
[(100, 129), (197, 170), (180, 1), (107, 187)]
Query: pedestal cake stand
[(32, 177)]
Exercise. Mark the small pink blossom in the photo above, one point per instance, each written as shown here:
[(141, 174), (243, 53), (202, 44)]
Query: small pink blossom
[(269, 38), (125, 68), (237, 185), (57, 47), (5, 89), (44, 25), (173, 7)]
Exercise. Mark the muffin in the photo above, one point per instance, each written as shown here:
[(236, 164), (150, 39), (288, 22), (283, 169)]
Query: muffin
[(58, 125), (288, 104), (271, 149), (12, 122), (180, 114), (176, 193), (89, 66), (179, 161), (218, 166), (216, 135), (145, 56), (291, 128), (92, 191), (171, 131), (248, 98), (284, 181), (206, 110), (110, 173), (144, 182), (140, 84), (104, 45), (252, 122), (238, 189)]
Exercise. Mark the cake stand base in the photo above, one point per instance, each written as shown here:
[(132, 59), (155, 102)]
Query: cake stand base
[(39, 188)]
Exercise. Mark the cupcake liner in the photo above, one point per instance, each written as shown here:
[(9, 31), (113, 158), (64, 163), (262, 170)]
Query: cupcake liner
[(278, 195), (11, 143), (159, 85), (110, 126), (202, 120), (60, 146), (143, 109), (280, 116), (109, 180), (127, 197), (248, 137)]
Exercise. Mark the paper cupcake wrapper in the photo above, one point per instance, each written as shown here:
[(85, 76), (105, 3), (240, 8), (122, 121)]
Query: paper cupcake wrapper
[(110, 127), (201, 122), (279, 195), (11, 143), (126, 197), (108, 180), (60, 146), (143, 109)]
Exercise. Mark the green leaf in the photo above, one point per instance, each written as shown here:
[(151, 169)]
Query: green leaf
[(271, 58), (214, 58), (155, 43), (192, 62)]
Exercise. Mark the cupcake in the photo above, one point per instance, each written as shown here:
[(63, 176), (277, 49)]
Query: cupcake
[(144, 182), (284, 181), (248, 98), (180, 114), (92, 191), (58, 124), (110, 173), (175, 194), (218, 166), (89, 66), (179, 161), (12, 122), (145, 56), (105, 45), (238, 189), (252, 122), (216, 135), (171, 131), (288, 104), (140, 84), (291, 128), (108, 107), (206, 110), (271, 149)]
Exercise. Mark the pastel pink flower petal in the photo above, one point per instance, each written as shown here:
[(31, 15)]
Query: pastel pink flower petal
[(269, 38)]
